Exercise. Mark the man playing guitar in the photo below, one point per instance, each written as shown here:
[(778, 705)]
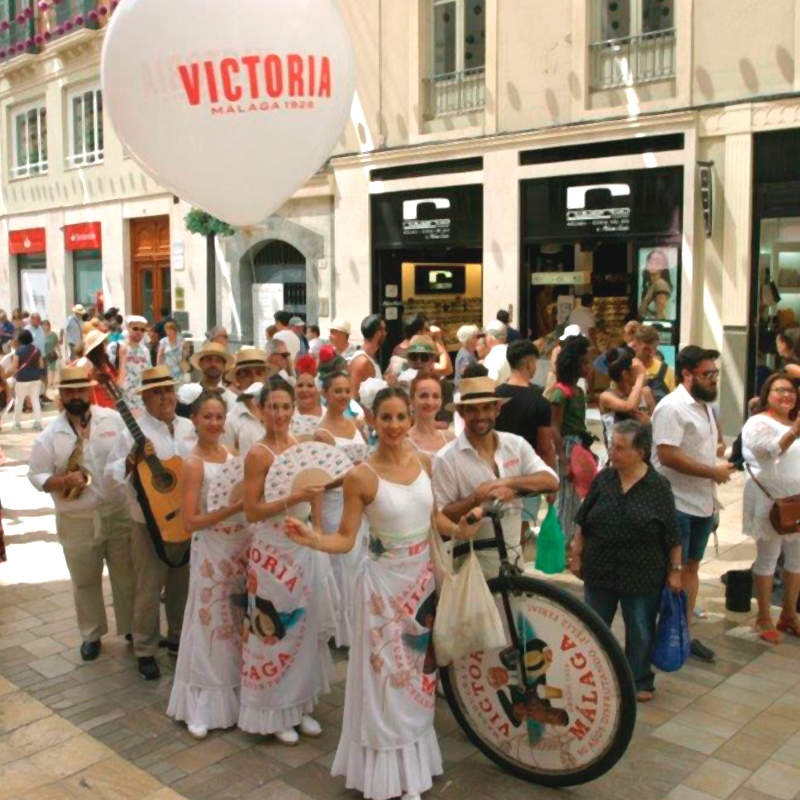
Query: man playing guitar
[(167, 435)]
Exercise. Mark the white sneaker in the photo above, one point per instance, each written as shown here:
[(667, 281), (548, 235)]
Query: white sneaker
[(310, 727), (289, 738), (197, 731)]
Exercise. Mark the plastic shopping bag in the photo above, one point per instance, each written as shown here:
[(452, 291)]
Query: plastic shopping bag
[(467, 619), (550, 547), (673, 644)]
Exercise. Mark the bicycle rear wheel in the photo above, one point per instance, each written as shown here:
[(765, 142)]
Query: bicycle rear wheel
[(576, 718)]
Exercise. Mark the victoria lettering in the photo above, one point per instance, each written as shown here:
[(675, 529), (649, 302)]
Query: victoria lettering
[(256, 77)]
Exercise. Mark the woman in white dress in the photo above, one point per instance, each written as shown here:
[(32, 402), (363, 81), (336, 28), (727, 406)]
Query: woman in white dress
[(388, 745), (772, 454), (308, 413), (286, 663), (340, 431), (205, 692), (426, 403)]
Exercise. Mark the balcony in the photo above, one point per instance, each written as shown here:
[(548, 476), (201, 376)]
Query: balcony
[(27, 26), (633, 60), (455, 93)]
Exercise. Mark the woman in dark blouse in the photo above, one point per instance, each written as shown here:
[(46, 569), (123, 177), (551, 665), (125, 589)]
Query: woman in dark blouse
[(628, 544)]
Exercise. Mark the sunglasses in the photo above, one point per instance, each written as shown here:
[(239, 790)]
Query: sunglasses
[(283, 355), (709, 374), (423, 357)]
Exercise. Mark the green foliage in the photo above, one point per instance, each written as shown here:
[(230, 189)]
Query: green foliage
[(198, 221)]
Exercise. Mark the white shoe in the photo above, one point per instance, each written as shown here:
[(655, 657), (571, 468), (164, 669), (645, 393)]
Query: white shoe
[(197, 731), (289, 738), (310, 727), (412, 796)]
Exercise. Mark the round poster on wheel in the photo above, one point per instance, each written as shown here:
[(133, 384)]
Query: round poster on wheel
[(565, 715), (306, 464)]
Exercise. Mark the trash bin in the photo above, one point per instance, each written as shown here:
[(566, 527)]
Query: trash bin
[(739, 590)]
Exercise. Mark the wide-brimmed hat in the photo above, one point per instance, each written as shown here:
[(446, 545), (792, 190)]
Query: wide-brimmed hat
[(93, 339), (212, 349), (155, 378), (75, 378), (422, 344), (78, 309), (246, 357), (475, 391), (341, 325)]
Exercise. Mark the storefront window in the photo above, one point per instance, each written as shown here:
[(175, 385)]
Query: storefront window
[(32, 271), (88, 276)]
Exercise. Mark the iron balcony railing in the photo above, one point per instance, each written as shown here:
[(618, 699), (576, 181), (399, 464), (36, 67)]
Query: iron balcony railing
[(455, 93), (633, 60)]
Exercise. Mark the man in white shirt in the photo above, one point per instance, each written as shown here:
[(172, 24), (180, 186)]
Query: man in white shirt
[(286, 335), (364, 364), (685, 442), (482, 464), (496, 361), (243, 426), (166, 435), (213, 360), (95, 527), (584, 318), (73, 330)]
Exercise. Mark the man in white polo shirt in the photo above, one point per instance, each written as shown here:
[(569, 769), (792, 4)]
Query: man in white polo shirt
[(685, 442), (483, 464)]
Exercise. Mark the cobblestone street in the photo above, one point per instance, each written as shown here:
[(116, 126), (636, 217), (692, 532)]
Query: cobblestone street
[(69, 730)]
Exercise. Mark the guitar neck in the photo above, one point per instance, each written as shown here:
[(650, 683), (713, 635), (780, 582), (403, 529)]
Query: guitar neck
[(122, 407)]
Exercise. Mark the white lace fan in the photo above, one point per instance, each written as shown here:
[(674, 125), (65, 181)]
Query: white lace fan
[(227, 486), (305, 464), (305, 424)]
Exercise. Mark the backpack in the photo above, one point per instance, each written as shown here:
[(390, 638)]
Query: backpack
[(657, 385)]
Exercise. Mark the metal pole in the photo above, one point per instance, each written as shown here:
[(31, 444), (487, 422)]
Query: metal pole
[(211, 281)]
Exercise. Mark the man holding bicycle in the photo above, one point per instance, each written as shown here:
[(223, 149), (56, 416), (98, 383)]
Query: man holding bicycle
[(483, 464)]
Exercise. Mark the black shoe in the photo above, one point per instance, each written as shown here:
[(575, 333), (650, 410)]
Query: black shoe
[(699, 650), (172, 648), (90, 650), (148, 668)]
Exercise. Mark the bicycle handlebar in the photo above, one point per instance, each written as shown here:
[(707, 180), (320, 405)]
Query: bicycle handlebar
[(494, 509)]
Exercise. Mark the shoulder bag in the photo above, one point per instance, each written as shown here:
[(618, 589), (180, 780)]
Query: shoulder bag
[(785, 512)]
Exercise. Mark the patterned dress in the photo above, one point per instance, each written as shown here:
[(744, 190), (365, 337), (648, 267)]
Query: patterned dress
[(137, 361)]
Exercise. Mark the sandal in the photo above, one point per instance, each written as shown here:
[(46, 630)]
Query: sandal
[(644, 697), (767, 631), (790, 625)]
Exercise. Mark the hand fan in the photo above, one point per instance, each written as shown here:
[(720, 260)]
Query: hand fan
[(226, 486), (305, 424), (305, 464)]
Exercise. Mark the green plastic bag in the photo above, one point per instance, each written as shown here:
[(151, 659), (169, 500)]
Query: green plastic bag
[(550, 551)]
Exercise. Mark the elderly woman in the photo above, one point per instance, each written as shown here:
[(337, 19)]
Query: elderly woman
[(772, 455), (628, 544)]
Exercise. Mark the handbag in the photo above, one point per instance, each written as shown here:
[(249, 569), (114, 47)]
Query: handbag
[(785, 512), (467, 619), (673, 642), (550, 547)]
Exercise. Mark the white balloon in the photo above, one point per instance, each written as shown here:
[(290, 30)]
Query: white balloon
[(231, 106)]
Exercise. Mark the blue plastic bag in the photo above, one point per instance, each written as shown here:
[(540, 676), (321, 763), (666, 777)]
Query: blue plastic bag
[(673, 643)]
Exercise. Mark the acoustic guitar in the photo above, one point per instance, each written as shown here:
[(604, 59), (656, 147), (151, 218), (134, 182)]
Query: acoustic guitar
[(157, 483)]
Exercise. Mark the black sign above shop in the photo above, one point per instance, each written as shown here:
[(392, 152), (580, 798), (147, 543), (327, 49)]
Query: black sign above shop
[(428, 219), (633, 203)]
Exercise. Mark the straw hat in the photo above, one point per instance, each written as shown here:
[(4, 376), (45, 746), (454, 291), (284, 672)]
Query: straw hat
[(246, 357), (212, 349), (75, 378), (475, 391), (422, 344), (93, 339), (341, 325), (156, 377), (78, 309)]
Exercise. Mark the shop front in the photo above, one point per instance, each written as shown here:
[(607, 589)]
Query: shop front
[(427, 256), (85, 242), (775, 278), (29, 247), (615, 235)]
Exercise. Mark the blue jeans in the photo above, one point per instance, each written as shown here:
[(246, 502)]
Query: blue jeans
[(695, 532), (639, 613)]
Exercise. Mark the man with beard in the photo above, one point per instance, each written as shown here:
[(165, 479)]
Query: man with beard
[(95, 527), (213, 361), (483, 464), (243, 425), (364, 364), (166, 435), (685, 452)]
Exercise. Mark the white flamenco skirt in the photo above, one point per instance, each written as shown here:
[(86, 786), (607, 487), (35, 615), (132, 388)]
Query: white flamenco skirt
[(388, 745), (292, 609), (206, 690)]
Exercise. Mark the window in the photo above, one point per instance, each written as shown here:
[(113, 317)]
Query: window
[(458, 57), (85, 128), (634, 42), (29, 150), (88, 276)]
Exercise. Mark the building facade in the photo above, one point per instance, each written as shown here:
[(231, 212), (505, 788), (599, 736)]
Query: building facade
[(501, 154)]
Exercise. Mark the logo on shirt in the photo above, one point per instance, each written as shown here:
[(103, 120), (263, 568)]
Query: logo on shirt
[(514, 462)]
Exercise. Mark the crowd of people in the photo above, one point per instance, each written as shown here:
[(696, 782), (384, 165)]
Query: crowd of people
[(271, 578)]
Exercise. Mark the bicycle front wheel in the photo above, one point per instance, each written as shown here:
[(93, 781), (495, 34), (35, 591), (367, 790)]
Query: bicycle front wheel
[(575, 718)]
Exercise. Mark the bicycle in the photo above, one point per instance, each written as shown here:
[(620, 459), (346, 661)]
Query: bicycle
[(557, 707)]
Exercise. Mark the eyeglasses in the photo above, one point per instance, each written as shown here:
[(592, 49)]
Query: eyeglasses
[(139, 330), (782, 392), (423, 357)]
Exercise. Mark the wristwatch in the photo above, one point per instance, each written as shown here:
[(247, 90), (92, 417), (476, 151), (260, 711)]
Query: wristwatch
[(675, 567)]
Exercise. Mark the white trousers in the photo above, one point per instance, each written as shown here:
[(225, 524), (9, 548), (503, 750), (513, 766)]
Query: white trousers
[(23, 390)]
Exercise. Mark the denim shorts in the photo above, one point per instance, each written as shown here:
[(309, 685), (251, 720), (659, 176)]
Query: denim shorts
[(695, 532)]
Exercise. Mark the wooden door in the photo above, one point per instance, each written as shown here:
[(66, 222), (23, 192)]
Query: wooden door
[(150, 256)]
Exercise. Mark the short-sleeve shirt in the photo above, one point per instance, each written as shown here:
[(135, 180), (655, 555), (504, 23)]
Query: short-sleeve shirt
[(527, 412), (584, 318), (28, 357), (628, 536), (573, 419), (681, 421)]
